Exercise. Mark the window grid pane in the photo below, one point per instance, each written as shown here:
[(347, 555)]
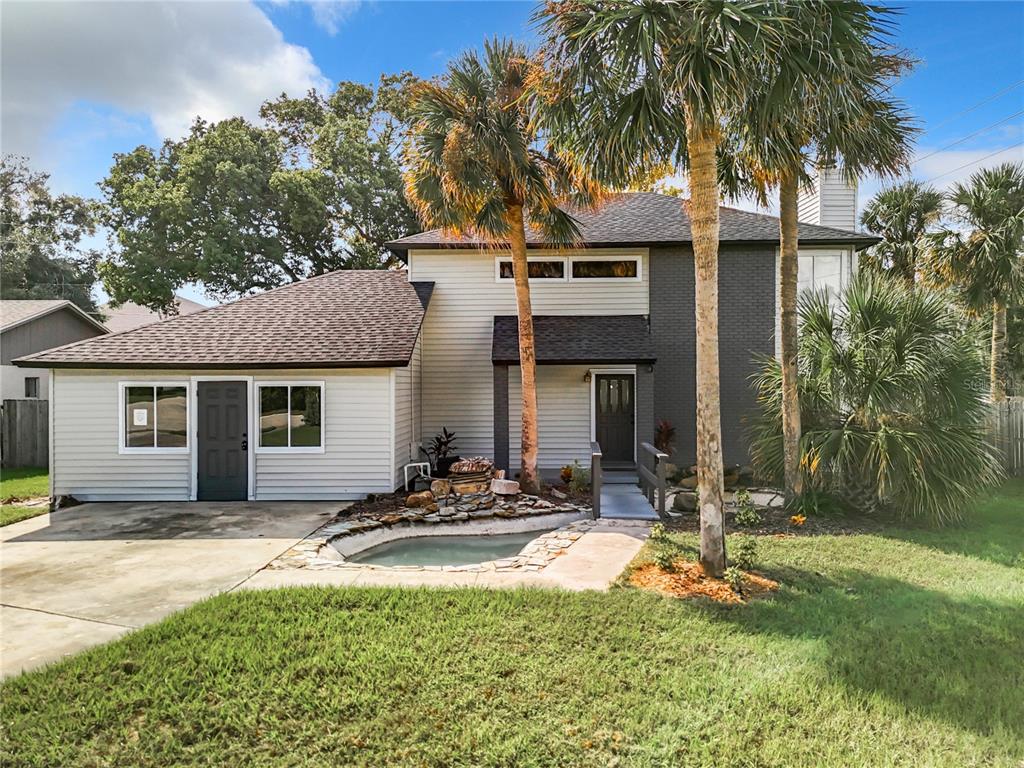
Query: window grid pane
[(139, 417), (274, 417), (305, 417), (171, 423)]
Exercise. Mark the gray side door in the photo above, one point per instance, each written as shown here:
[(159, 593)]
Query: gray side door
[(223, 441), (615, 418)]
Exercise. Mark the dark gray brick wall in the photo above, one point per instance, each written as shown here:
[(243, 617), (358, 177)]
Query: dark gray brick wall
[(746, 329)]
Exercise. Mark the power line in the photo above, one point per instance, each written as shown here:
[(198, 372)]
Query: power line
[(970, 136), (981, 103), (973, 162)]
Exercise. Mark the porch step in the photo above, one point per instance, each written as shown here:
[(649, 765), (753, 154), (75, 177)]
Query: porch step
[(622, 501), (620, 477)]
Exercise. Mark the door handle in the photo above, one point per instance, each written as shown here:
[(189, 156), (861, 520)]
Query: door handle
[(245, 444)]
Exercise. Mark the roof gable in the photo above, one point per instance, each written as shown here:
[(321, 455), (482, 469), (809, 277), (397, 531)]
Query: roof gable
[(15, 312), (348, 318)]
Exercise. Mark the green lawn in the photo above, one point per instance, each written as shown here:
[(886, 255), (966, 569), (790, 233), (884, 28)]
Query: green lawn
[(902, 649), (24, 483)]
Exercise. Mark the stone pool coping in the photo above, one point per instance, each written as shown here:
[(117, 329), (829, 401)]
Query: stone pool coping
[(471, 514)]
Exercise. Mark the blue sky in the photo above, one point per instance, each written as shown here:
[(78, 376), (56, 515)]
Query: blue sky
[(84, 80)]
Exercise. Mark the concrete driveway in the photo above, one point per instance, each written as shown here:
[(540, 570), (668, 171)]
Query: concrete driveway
[(88, 574)]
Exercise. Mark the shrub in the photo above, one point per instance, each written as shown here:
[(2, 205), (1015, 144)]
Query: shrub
[(580, 482), (664, 436), (665, 558), (659, 534), (743, 552), (734, 578), (892, 402), (746, 515)]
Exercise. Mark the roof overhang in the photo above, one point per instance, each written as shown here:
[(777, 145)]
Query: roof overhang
[(574, 339)]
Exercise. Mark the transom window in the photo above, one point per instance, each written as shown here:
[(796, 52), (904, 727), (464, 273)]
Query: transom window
[(291, 417), (548, 269), (154, 417), (572, 268)]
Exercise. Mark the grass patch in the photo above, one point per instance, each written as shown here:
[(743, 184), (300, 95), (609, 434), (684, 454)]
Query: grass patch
[(878, 650), (24, 483), (10, 513)]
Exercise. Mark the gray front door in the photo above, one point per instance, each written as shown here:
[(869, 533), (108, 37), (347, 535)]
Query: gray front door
[(614, 417), (223, 441)]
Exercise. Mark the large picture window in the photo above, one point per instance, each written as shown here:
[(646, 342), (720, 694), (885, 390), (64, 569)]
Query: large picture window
[(154, 417), (291, 417), (605, 269)]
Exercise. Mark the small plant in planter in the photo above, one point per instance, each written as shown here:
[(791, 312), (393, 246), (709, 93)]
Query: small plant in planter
[(442, 452)]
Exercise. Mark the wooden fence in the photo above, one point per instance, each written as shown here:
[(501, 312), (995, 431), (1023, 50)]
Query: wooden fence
[(1006, 434), (25, 433)]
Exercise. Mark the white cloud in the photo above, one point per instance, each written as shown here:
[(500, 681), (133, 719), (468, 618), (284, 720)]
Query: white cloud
[(168, 61), (329, 15)]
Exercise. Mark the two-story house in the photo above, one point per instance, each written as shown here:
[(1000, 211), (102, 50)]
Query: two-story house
[(324, 389)]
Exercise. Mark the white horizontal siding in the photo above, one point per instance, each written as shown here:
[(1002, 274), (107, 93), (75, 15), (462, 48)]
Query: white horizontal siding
[(457, 376), (563, 416), (832, 202), (86, 462), (407, 384), (358, 456)]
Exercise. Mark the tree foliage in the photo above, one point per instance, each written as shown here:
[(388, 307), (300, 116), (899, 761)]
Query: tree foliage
[(240, 207), (892, 402), (902, 215), (42, 239)]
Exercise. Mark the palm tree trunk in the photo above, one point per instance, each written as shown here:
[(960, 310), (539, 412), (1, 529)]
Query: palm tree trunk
[(529, 479), (701, 146), (788, 272), (997, 374)]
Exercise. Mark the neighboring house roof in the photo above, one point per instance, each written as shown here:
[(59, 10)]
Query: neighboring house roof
[(563, 339), (649, 218), (131, 315), (349, 318), (15, 312)]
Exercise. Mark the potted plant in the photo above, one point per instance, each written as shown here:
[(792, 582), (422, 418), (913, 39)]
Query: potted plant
[(442, 452)]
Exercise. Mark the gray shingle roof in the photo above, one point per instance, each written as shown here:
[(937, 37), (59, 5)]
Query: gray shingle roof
[(342, 319), (576, 339), (642, 218), (14, 312)]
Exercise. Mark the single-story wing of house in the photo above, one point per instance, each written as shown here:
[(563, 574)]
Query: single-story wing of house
[(326, 388)]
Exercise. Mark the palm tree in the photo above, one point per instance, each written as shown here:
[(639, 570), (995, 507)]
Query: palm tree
[(822, 98), (901, 215), (644, 83), (985, 265), (475, 165), (893, 413)]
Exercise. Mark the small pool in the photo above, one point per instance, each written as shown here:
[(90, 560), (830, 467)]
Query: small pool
[(445, 550)]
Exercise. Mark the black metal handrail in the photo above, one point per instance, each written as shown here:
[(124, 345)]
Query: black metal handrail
[(595, 480), (653, 480)]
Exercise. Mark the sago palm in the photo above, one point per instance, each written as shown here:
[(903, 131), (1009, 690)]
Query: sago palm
[(891, 393), (901, 215), (644, 83), (824, 99), (475, 165), (985, 263)]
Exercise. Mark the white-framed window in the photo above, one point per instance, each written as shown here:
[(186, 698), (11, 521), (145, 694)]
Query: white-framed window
[(538, 267), (824, 269), (290, 416), (32, 386), (604, 267), (153, 417), (584, 267)]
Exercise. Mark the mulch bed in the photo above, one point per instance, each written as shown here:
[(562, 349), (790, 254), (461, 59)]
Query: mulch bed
[(688, 580)]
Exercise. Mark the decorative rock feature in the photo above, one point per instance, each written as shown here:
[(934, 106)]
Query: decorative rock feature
[(315, 551), (421, 499), (440, 488), (506, 487), (685, 502), (476, 486)]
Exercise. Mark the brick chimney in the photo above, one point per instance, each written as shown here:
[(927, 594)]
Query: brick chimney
[(832, 202)]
